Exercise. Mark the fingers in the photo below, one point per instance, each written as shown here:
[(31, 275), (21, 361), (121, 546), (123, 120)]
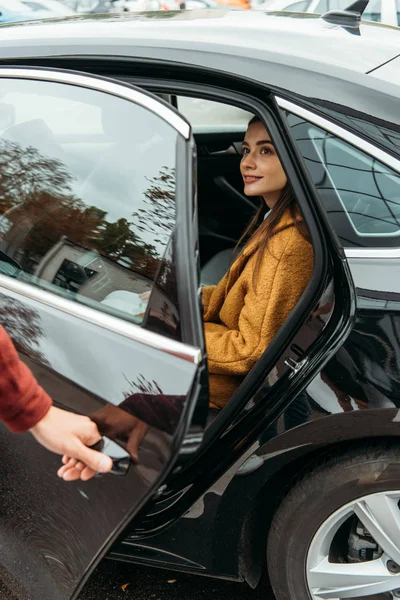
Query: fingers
[(135, 439), (98, 462), (72, 470)]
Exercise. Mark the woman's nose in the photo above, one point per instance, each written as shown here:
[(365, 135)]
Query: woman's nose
[(248, 161)]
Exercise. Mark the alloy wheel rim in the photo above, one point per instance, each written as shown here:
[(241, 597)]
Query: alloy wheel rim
[(330, 579)]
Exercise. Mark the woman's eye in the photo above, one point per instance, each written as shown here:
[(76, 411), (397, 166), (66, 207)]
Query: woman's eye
[(245, 150), (266, 150)]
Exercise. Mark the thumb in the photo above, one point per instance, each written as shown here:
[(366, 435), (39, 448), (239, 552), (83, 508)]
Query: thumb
[(97, 461)]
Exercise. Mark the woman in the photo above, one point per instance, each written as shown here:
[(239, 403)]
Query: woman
[(246, 309)]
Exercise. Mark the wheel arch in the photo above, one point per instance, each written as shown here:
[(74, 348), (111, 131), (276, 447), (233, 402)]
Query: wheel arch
[(257, 520)]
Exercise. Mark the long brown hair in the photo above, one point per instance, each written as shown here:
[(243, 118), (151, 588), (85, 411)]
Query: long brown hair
[(261, 229)]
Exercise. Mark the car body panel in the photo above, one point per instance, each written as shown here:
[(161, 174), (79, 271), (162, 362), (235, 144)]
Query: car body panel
[(252, 500), (216, 30)]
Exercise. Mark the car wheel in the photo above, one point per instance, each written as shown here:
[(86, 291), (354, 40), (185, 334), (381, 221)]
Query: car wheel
[(337, 532)]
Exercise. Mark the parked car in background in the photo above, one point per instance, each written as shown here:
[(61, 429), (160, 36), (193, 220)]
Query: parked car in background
[(383, 11), (199, 4), (121, 140), (237, 4), (15, 10), (55, 8), (94, 6)]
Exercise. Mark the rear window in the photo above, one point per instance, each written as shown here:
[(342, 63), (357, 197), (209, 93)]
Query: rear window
[(207, 116)]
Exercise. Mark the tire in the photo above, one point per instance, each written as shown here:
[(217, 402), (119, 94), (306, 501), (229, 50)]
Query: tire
[(318, 518)]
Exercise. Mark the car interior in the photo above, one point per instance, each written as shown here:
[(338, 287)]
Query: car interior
[(224, 210)]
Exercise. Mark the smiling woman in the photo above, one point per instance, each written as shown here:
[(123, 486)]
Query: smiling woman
[(243, 313)]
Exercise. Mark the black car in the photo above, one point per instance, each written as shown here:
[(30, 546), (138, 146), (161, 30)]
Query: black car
[(108, 191)]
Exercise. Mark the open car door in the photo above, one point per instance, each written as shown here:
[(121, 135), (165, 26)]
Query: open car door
[(96, 219)]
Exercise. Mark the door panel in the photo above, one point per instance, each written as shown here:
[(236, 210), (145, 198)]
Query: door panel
[(81, 237)]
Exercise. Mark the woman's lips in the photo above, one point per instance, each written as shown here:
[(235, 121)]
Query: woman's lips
[(251, 178)]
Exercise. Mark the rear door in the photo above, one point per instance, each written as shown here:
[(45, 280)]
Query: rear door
[(95, 223)]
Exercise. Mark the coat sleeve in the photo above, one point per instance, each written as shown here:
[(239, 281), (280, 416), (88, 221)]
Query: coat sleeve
[(23, 403), (235, 352), (206, 293)]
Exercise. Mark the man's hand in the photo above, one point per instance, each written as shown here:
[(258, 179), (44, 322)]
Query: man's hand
[(115, 423), (69, 434)]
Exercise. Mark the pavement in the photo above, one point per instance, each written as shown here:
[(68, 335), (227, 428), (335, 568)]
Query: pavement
[(122, 581)]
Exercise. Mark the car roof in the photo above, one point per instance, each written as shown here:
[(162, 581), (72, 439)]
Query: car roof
[(297, 52), (292, 36)]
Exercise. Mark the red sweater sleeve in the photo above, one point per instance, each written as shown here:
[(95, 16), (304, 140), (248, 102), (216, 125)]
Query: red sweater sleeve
[(23, 402)]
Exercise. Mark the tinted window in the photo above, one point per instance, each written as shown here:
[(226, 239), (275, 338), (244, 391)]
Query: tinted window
[(361, 195), (87, 203), (208, 116), (373, 130)]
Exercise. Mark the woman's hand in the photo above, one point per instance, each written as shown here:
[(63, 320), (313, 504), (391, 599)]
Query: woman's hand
[(63, 432)]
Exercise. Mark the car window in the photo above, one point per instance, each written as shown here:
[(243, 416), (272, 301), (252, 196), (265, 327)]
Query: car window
[(207, 116), (87, 203), (398, 11), (361, 195)]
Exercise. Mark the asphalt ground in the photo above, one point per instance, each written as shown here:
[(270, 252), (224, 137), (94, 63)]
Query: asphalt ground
[(122, 581)]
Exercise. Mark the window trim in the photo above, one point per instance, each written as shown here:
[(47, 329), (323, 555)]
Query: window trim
[(341, 132), (361, 144), (95, 83), (102, 319), (96, 317)]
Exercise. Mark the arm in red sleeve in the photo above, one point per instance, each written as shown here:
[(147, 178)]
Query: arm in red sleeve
[(23, 403)]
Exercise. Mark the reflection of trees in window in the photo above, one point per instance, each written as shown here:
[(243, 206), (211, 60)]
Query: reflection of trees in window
[(23, 325), (158, 217), (24, 173), (141, 385), (37, 197)]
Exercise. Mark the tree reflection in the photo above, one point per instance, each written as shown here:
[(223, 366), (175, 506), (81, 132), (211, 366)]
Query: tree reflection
[(40, 208), (23, 324), (25, 173), (159, 215)]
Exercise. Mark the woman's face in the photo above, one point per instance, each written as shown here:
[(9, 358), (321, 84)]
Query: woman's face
[(260, 167)]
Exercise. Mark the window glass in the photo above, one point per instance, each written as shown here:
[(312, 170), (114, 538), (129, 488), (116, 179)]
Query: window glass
[(87, 196), (360, 194), (207, 116), (373, 130), (298, 6), (398, 11)]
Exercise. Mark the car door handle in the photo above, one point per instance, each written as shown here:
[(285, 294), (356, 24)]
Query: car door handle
[(121, 464)]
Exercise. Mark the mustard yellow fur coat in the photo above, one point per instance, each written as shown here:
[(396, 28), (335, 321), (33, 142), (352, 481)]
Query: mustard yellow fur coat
[(240, 323)]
